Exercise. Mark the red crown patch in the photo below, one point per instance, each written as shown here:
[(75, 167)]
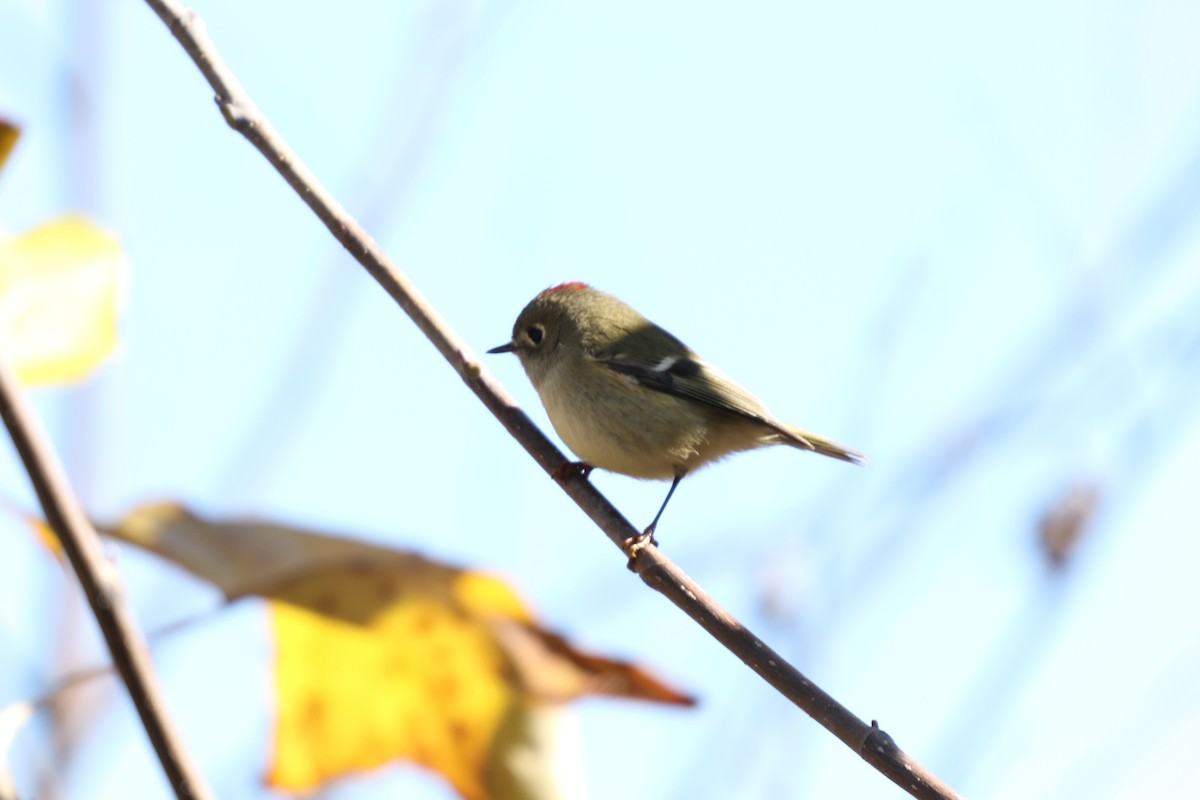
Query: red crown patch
[(572, 286)]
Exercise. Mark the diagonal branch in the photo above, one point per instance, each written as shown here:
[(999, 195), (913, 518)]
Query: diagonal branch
[(100, 584), (869, 741)]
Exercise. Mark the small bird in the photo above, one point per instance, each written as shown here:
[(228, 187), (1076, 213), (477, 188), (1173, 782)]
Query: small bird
[(628, 397)]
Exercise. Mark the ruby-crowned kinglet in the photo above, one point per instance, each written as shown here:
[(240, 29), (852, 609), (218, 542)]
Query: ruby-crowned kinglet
[(628, 397)]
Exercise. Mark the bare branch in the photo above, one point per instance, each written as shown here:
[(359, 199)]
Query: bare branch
[(869, 741), (100, 584)]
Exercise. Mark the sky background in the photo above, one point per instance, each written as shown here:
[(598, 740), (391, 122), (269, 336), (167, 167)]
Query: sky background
[(961, 238)]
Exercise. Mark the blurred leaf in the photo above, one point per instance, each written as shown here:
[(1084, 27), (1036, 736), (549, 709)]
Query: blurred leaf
[(60, 289), (382, 654), (42, 533), (521, 766), (11, 720), (9, 133), (48, 539), (1066, 521)]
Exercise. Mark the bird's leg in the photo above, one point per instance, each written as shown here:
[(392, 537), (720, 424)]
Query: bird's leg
[(649, 532), (569, 469), (636, 544)]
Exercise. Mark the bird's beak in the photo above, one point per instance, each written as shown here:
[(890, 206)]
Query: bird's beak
[(504, 348)]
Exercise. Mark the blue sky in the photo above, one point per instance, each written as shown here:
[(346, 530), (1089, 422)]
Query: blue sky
[(959, 239)]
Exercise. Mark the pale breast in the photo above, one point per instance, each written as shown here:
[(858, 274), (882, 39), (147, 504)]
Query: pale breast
[(615, 425)]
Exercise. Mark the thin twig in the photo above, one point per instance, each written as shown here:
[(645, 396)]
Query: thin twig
[(81, 676), (869, 741), (100, 584), (399, 151)]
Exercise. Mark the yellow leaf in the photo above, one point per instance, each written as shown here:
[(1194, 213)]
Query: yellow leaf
[(9, 133), (50, 541), (60, 290), (546, 667), (258, 557), (11, 720), (384, 655), (421, 682), (41, 532), (531, 760)]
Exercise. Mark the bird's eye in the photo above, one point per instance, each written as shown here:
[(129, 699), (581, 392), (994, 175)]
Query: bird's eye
[(535, 333)]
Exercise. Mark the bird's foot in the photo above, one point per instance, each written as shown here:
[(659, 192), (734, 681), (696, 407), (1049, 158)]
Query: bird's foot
[(634, 545), (571, 469)]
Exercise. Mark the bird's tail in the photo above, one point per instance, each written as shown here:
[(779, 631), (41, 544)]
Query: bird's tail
[(819, 444)]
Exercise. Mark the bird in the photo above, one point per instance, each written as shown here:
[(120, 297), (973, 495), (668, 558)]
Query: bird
[(628, 397)]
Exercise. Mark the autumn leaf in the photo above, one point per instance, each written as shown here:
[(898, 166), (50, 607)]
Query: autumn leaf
[(48, 539), (383, 655), (1066, 521), (11, 720), (60, 290), (9, 133)]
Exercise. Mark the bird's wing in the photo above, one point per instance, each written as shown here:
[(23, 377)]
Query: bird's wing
[(685, 375)]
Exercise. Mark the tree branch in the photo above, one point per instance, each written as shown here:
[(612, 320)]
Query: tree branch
[(873, 744), (100, 584)]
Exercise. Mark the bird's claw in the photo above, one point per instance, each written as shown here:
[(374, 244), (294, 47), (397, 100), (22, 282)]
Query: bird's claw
[(634, 545)]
